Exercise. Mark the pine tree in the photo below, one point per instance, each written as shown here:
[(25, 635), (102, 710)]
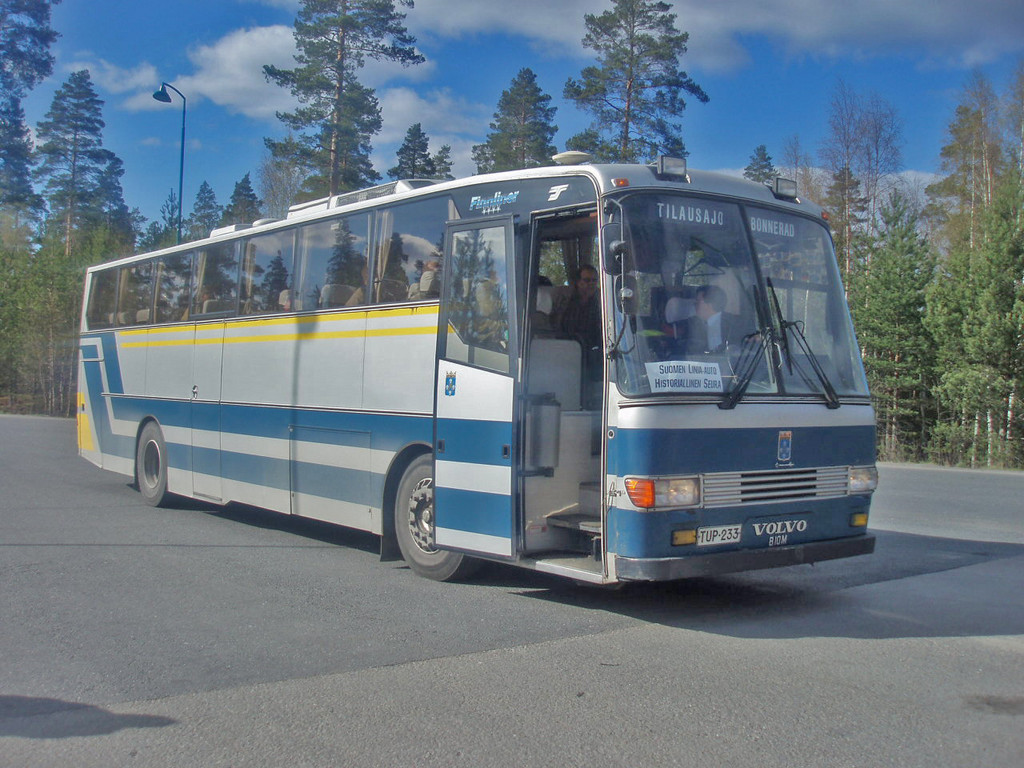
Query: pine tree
[(244, 206), (16, 193), (334, 38), (760, 167), (25, 61), (636, 92), (522, 131), (25, 40), (414, 159), (81, 178), (206, 213)]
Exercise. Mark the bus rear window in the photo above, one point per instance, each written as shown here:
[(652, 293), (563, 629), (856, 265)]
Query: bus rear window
[(101, 301)]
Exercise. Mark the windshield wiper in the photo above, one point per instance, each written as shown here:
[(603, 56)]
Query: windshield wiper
[(746, 366), (831, 398), (785, 326)]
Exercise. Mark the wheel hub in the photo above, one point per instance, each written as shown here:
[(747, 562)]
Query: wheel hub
[(421, 515)]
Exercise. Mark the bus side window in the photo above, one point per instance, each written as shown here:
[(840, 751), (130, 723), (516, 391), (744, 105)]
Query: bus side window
[(409, 247), (216, 278), (135, 296), (331, 262), (172, 287), (266, 271)]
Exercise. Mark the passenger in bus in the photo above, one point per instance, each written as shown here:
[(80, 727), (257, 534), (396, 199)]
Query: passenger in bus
[(284, 300), (580, 317), (429, 284)]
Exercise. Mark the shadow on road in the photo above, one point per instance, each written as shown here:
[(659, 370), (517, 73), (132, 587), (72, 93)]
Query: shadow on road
[(815, 600), (31, 717)]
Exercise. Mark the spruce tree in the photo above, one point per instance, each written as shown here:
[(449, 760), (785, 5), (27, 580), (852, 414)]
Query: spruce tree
[(206, 214), (337, 112), (522, 131), (760, 168), (847, 207), (442, 162), (414, 159), (636, 92), (888, 303), (244, 206)]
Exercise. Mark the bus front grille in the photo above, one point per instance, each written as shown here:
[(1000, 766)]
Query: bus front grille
[(725, 489)]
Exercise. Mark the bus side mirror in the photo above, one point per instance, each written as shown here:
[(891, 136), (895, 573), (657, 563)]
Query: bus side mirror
[(614, 246)]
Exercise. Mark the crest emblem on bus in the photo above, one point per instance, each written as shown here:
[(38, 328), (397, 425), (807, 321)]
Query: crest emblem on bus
[(449, 384), (785, 453)]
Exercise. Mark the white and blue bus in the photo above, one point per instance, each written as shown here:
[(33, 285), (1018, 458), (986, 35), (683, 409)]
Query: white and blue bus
[(607, 372)]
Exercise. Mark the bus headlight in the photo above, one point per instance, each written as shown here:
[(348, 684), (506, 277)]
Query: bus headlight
[(862, 480), (663, 492)]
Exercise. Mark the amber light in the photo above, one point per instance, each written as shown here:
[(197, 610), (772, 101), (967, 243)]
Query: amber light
[(640, 491)]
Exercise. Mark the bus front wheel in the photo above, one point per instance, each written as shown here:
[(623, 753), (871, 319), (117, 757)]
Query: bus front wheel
[(414, 527), (151, 465)]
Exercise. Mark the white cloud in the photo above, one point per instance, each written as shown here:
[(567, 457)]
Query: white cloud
[(444, 117), (229, 73), (115, 79), (440, 112), (950, 31)]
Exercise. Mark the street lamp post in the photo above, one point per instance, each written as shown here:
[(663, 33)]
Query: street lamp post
[(165, 97)]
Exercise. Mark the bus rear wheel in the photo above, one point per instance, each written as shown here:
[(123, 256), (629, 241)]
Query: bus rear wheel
[(414, 527), (151, 465)]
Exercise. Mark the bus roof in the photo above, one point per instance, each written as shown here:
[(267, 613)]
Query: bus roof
[(607, 178)]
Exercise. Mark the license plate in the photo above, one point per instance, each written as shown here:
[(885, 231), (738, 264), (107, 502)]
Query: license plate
[(719, 534)]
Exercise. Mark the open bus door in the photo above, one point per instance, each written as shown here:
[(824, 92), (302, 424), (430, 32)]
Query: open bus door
[(475, 392)]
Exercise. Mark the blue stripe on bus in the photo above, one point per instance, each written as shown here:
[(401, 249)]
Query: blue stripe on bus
[(678, 451), (473, 512), (112, 363), (386, 432)]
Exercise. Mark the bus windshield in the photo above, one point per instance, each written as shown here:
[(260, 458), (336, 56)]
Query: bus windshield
[(719, 300)]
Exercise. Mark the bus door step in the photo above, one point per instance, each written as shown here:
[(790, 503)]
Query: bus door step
[(577, 522)]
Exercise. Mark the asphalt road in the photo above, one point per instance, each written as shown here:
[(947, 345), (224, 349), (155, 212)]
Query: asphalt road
[(133, 636)]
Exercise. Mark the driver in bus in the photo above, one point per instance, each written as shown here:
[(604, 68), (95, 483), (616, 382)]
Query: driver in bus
[(712, 329)]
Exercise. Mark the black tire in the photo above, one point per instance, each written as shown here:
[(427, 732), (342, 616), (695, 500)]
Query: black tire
[(151, 465), (414, 527)]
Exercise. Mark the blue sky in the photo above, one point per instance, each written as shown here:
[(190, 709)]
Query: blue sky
[(769, 66)]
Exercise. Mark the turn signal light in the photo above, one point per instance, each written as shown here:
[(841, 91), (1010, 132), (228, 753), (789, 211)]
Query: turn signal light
[(858, 519), (663, 492), (641, 492)]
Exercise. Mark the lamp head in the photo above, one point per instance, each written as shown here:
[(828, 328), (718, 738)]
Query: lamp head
[(162, 95)]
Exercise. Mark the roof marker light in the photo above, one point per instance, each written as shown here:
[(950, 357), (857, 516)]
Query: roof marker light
[(784, 188), (672, 168)]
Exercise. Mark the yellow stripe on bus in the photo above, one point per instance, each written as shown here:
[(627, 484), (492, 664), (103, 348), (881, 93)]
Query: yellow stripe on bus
[(299, 336)]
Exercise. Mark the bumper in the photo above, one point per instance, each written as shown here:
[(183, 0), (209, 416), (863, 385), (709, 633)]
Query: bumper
[(671, 568)]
